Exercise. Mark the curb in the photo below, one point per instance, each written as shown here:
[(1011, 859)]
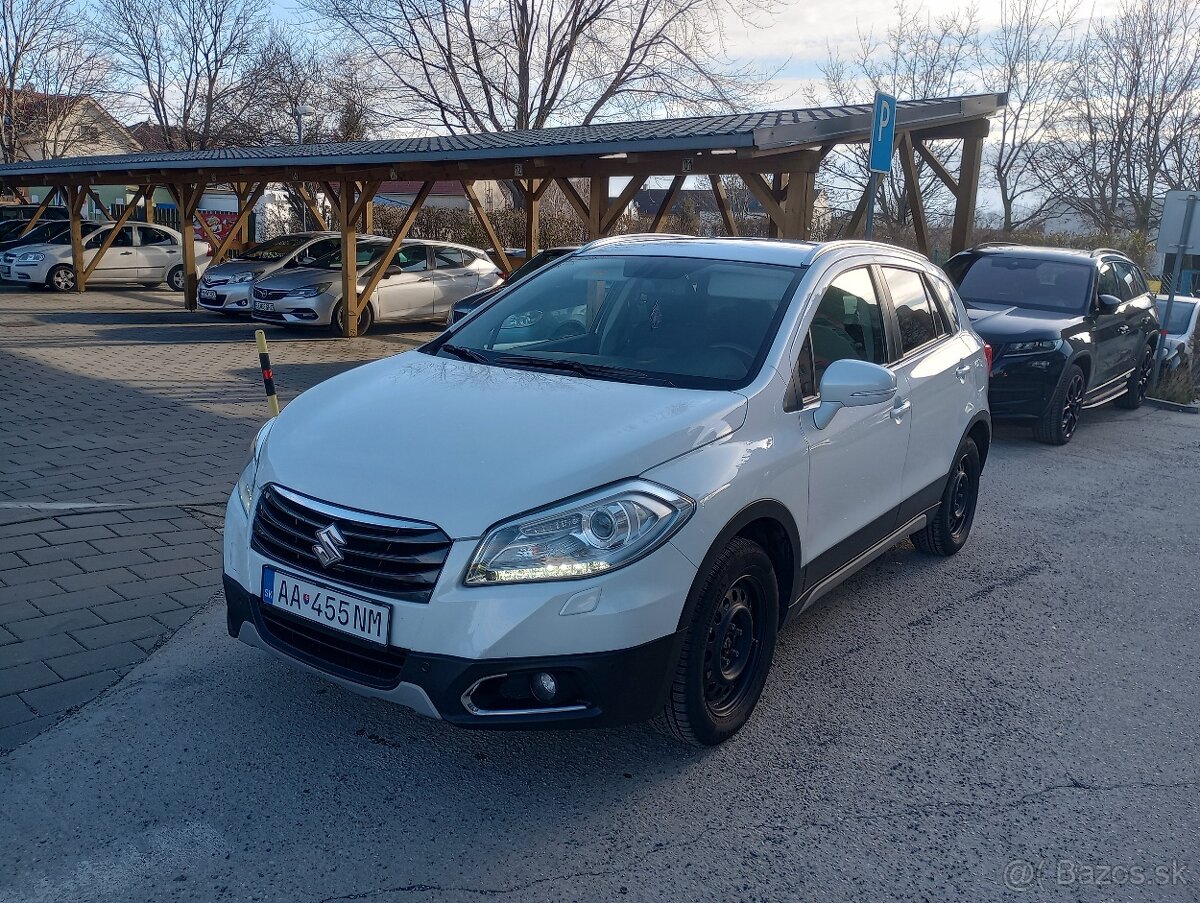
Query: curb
[(1173, 406)]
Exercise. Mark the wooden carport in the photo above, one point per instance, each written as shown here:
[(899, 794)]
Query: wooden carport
[(777, 154)]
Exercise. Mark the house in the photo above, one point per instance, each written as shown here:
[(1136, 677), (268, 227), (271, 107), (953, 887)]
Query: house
[(443, 195), (701, 203)]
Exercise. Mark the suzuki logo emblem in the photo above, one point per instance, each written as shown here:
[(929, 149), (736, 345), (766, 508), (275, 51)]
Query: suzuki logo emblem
[(329, 545)]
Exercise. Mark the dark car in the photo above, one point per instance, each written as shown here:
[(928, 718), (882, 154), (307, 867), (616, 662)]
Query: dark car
[(1069, 330), (465, 305), (26, 212), (12, 237)]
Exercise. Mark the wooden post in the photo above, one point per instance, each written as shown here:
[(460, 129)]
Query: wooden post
[(912, 188), (799, 197), (722, 199), (488, 229), (533, 210), (349, 258), (75, 197), (968, 187), (149, 203), (776, 189), (187, 199), (597, 206)]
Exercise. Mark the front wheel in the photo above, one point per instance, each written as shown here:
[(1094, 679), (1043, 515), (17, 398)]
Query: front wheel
[(338, 321), (948, 528), (727, 649), (176, 280), (1057, 424), (1139, 381), (61, 279)]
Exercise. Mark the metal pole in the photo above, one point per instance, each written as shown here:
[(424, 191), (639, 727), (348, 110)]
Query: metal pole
[(299, 117), (872, 188), (1161, 351)]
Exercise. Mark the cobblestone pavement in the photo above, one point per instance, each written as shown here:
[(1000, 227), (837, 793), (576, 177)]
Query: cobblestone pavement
[(123, 423)]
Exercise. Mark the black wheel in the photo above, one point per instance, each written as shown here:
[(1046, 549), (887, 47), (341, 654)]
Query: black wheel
[(61, 278), (337, 322), (1139, 382), (948, 529), (1057, 424), (727, 650), (176, 280)]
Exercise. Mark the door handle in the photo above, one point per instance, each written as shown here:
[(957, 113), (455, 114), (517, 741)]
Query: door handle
[(900, 409), (962, 371), (1123, 329)]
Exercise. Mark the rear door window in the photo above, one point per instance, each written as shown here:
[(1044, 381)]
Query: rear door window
[(919, 321), (1110, 284), (448, 258)]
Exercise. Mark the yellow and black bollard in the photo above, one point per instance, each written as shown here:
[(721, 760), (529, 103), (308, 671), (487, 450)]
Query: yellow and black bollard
[(264, 361)]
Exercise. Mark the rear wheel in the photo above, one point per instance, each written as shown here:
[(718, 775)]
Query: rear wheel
[(61, 278), (948, 529), (176, 280), (727, 650), (1057, 424), (338, 321), (1139, 381)]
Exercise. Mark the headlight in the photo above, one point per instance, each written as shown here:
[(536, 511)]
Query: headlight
[(31, 257), (600, 532), (1042, 346), (246, 482), (245, 276), (521, 321), (311, 291)]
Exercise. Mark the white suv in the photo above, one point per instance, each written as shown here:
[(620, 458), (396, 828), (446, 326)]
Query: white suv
[(521, 525)]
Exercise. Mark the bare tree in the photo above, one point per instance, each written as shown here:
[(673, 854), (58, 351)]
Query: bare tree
[(194, 63), (1028, 56), (1133, 126), (463, 65), (54, 78)]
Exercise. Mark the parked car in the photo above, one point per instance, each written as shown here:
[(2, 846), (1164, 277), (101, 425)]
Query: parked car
[(460, 309), (12, 238), (1180, 330), (226, 286), (26, 211), (613, 526), (141, 254), (1069, 330), (422, 280)]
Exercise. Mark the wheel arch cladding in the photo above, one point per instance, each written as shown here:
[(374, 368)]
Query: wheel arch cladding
[(1084, 361), (982, 434), (769, 524)]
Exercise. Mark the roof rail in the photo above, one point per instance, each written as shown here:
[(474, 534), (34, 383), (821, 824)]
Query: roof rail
[(617, 239), (994, 244), (1096, 252)]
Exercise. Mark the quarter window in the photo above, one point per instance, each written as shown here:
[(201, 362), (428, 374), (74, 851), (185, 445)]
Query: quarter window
[(1131, 280), (447, 258), (1108, 283), (155, 236), (919, 322)]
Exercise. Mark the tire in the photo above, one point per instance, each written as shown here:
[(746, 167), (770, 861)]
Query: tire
[(366, 320), (61, 278), (735, 622), (176, 281), (948, 529), (1058, 422), (1139, 381)]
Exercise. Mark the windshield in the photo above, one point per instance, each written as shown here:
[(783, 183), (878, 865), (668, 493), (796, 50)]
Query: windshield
[(65, 237), (275, 249), (40, 233), (1181, 313), (536, 262), (365, 254), (680, 321), (1031, 282)]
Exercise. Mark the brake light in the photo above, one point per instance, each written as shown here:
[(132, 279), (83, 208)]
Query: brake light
[(987, 353)]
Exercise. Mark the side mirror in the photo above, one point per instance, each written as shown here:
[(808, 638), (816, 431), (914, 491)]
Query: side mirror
[(1108, 303), (852, 384), (393, 270)]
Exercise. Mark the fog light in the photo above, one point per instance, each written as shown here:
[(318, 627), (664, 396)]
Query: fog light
[(543, 686)]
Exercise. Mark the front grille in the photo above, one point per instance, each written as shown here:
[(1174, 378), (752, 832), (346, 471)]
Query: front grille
[(375, 666), (395, 558), (213, 280), (269, 294)]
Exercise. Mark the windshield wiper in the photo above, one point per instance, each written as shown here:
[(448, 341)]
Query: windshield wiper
[(465, 354), (595, 371)]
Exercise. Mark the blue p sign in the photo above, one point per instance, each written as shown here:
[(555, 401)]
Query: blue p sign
[(883, 132)]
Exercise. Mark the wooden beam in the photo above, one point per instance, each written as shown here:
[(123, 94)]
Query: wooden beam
[(766, 196), (187, 197), (307, 200), (410, 217), (542, 185), (912, 188), (856, 217), (597, 206), (112, 234), (37, 214), (668, 201), (75, 196), (968, 186), (936, 165), (245, 208), (366, 194), (335, 200), (349, 259), (574, 199), (489, 230), (533, 217), (798, 205), (617, 209), (149, 202), (722, 199), (100, 204)]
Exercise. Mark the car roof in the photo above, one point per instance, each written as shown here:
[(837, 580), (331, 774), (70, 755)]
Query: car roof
[(1039, 252), (784, 252)]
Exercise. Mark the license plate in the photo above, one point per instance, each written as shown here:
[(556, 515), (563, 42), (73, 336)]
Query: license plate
[(263, 305), (326, 605), (207, 294)]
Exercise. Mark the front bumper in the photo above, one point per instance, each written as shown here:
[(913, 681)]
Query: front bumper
[(228, 297), (27, 273), (316, 311), (1020, 387), (605, 688)]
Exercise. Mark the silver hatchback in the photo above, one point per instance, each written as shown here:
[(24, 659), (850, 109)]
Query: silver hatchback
[(422, 280), (225, 287)]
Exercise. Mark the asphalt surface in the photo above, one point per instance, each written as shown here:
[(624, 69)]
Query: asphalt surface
[(1019, 722)]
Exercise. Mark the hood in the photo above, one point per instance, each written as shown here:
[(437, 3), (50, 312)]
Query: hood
[(44, 247), (465, 445), (999, 323), (298, 278), (233, 266)]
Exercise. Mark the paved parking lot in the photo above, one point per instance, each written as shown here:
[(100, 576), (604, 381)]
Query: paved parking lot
[(1019, 722)]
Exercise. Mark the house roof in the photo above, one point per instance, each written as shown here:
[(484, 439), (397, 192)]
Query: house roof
[(774, 130)]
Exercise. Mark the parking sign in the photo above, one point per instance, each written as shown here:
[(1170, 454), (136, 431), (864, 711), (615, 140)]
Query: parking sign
[(883, 132)]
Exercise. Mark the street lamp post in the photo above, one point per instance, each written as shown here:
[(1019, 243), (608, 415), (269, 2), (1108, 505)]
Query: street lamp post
[(299, 111)]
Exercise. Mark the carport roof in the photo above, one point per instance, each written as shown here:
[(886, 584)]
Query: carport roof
[(751, 132)]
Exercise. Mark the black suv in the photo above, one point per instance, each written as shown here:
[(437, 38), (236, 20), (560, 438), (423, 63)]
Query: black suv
[(1069, 330)]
